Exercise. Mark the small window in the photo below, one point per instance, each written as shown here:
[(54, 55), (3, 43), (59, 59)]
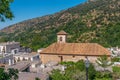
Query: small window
[(23, 59)]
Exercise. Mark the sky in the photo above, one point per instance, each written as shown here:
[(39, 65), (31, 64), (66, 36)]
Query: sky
[(28, 9)]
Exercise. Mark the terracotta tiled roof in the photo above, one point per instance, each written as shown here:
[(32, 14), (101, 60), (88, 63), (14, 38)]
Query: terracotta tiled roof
[(76, 49), (62, 33)]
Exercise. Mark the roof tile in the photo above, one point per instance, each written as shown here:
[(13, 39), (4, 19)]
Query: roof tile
[(62, 33), (76, 49)]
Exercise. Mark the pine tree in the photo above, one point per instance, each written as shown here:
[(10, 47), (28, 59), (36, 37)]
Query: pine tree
[(104, 62)]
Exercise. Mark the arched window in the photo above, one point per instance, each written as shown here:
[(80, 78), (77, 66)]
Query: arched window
[(60, 39)]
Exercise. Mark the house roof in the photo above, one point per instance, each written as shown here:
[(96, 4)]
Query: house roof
[(27, 54), (62, 33), (19, 65), (32, 76), (76, 49)]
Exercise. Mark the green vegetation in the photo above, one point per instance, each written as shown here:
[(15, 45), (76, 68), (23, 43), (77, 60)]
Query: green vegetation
[(116, 69), (5, 12), (37, 78), (104, 62), (116, 72), (11, 74), (115, 59), (103, 76), (96, 22), (76, 71)]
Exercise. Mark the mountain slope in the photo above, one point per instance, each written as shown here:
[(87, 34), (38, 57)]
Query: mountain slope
[(94, 21)]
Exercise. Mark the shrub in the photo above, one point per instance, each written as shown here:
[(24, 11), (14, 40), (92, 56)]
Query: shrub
[(115, 59), (103, 76), (116, 72), (80, 65), (57, 75), (103, 79), (91, 72), (116, 69), (67, 64)]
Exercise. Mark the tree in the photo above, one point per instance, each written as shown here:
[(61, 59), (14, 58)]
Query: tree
[(37, 78), (116, 72), (10, 74), (5, 12), (104, 62), (78, 75), (80, 65), (103, 76), (73, 71), (13, 73), (91, 72), (57, 75)]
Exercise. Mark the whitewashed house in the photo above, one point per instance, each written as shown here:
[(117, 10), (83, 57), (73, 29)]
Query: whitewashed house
[(9, 47), (33, 56)]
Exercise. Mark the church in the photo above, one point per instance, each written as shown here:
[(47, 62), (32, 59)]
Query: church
[(63, 51)]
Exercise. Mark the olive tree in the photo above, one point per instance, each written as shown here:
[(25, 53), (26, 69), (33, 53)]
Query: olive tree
[(5, 11)]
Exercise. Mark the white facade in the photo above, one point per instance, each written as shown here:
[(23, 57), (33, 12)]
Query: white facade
[(27, 57), (33, 58), (35, 64), (9, 46)]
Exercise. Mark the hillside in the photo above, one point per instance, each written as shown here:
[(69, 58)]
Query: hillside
[(93, 21)]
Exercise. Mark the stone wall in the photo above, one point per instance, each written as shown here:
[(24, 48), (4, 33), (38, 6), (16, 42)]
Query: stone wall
[(57, 58), (48, 58)]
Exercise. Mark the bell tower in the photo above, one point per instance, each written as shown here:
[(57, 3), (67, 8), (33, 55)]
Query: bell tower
[(61, 37)]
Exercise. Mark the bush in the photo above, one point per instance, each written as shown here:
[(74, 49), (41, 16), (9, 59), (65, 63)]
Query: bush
[(103, 76), (57, 75), (116, 72), (115, 59), (103, 79), (76, 71), (37, 78), (80, 65), (91, 72), (116, 69), (78, 75), (67, 64)]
